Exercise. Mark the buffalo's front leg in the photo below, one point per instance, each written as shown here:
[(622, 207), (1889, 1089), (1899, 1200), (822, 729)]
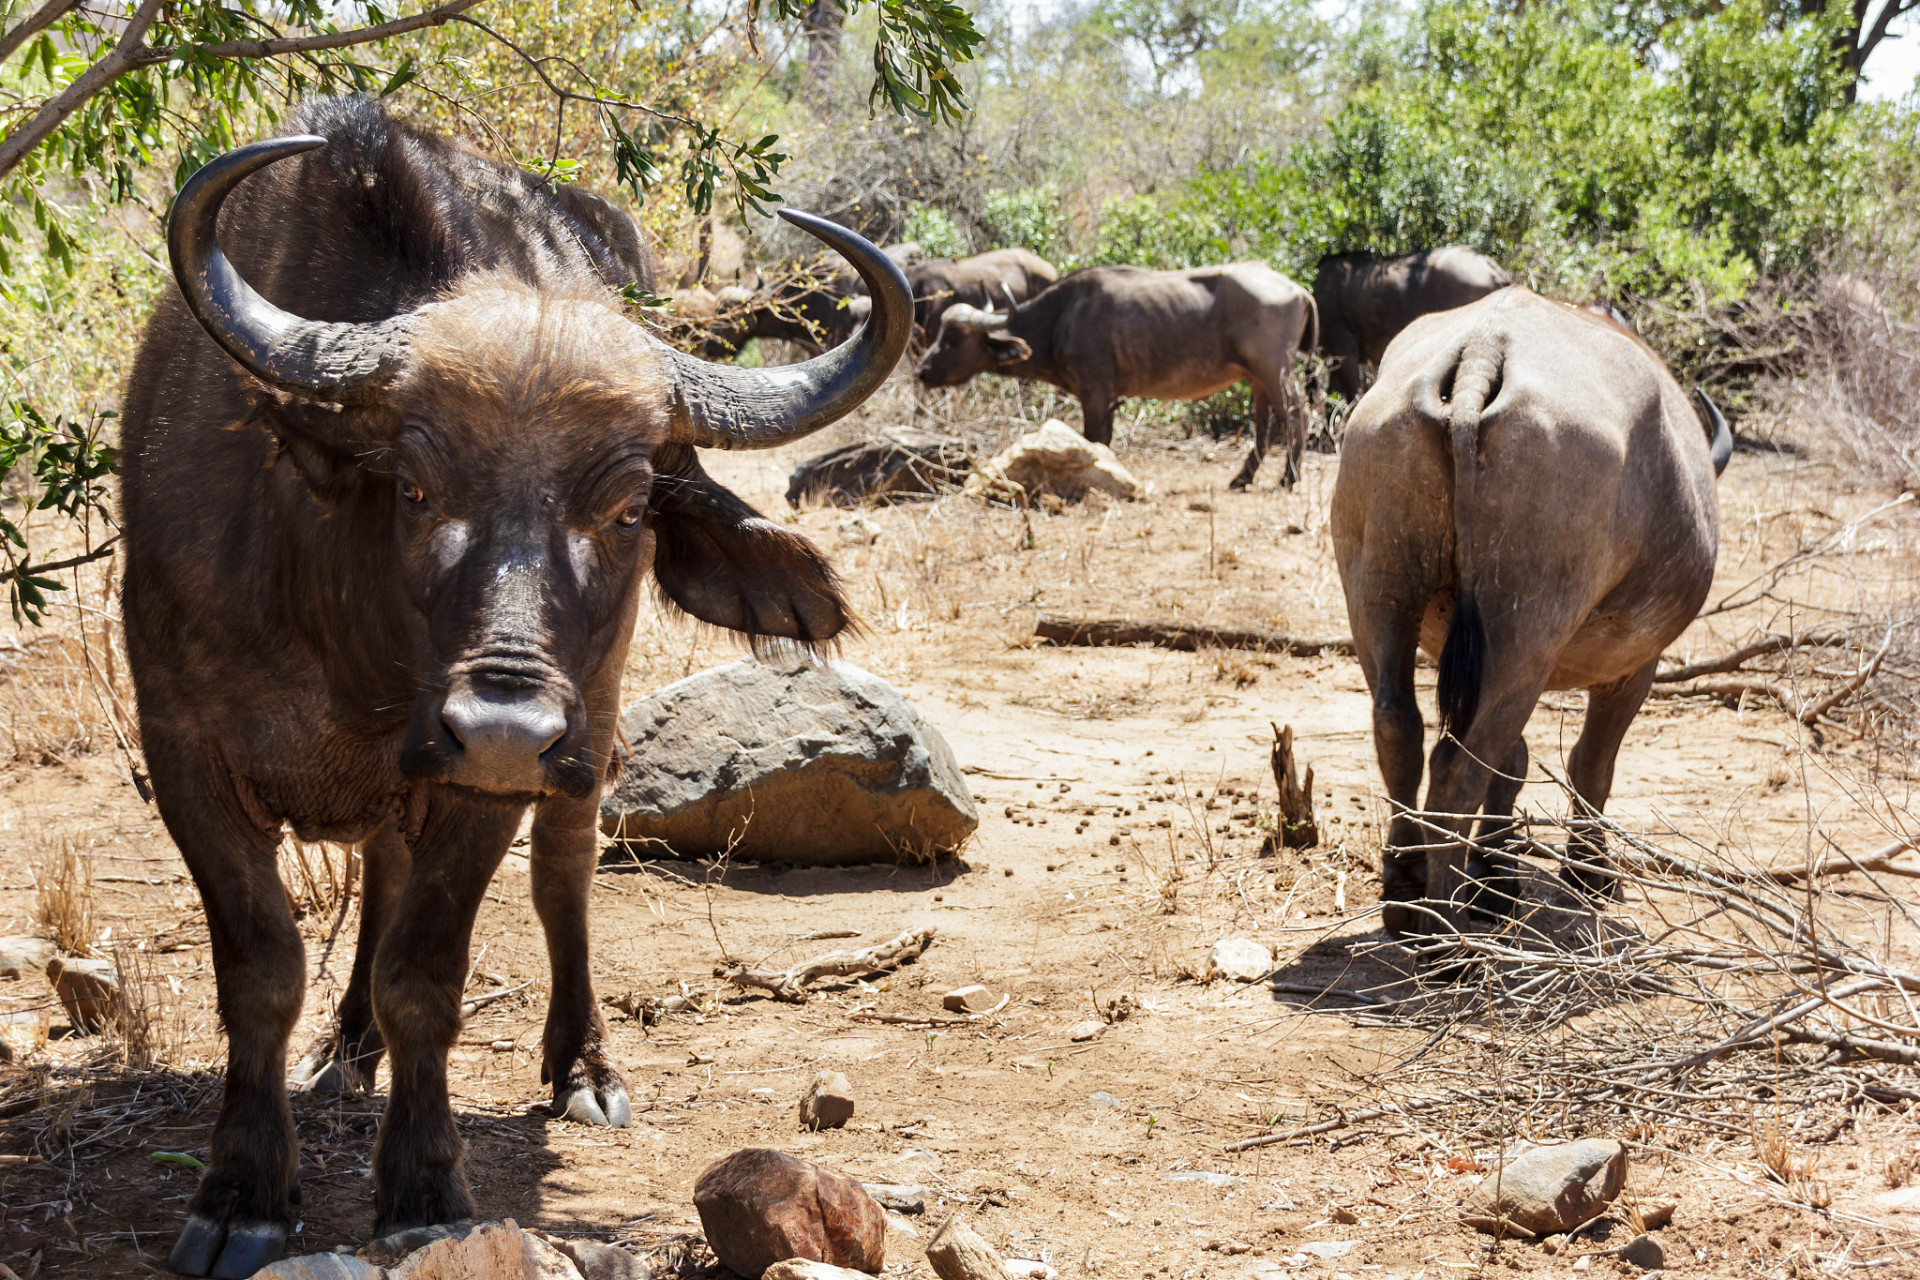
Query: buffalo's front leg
[(417, 978), (586, 1085), (238, 1219)]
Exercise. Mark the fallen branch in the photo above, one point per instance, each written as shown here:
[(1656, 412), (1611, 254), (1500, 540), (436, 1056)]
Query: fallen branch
[(1188, 638), (1880, 860), (1733, 661), (931, 1019), (791, 986), (475, 1005)]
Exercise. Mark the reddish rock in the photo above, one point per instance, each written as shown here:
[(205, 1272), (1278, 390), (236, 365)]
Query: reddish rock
[(760, 1207)]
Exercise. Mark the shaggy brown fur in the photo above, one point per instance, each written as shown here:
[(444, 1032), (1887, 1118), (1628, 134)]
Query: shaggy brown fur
[(315, 596)]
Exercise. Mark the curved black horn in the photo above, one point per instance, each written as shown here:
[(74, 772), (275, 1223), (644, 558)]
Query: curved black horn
[(329, 361), (721, 406), (1722, 444)]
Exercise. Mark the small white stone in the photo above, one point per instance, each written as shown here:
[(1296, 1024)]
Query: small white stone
[(1239, 960)]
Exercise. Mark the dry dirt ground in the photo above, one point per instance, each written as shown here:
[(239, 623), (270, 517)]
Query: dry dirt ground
[(1122, 794)]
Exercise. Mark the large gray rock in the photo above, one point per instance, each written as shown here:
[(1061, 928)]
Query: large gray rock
[(20, 956), (798, 760), (1550, 1189), (898, 464)]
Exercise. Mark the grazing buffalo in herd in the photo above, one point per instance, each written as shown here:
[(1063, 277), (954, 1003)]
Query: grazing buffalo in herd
[(814, 312), (986, 280), (388, 520), (1527, 494), (1366, 300), (1109, 332)]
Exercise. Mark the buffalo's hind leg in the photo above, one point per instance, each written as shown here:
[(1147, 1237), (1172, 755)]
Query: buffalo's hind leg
[(1387, 651), (1610, 710), (346, 1056), (418, 973), (587, 1087), (1263, 420), (238, 1219)]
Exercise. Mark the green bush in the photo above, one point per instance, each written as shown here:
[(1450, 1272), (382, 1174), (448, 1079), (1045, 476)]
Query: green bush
[(1029, 218), (936, 232), (1718, 155)]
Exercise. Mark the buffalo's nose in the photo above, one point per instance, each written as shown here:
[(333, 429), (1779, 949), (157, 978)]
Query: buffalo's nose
[(501, 737)]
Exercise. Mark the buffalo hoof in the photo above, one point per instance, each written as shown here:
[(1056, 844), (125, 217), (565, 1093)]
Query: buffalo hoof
[(227, 1250), (607, 1106), (325, 1069)]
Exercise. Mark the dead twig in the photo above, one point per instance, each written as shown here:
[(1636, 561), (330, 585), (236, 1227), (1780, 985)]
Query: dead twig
[(1185, 637), (791, 985)]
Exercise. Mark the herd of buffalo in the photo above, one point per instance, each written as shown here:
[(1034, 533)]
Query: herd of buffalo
[(399, 463)]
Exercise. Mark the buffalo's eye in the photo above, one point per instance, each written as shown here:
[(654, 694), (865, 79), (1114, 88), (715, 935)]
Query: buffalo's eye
[(413, 493), (630, 517)]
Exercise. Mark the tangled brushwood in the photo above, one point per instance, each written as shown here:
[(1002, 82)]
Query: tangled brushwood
[(1718, 1004)]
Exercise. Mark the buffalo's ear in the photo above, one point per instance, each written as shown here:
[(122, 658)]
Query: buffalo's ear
[(726, 564), (1008, 350)]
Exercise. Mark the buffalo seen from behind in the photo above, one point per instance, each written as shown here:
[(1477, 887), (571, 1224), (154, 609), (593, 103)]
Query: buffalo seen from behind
[(1527, 494), (380, 582), (1107, 333)]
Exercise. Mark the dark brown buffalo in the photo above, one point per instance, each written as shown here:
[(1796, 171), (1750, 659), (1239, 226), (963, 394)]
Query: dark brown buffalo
[(1111, 332), (815, 310), (385, 548), (1527, 494), (998, 278), (1366, 300)]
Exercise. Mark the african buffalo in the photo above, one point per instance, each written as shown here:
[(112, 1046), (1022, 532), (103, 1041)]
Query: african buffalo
[(815, 310), (1109, 332), (1526, 493), (1365, 300), (986, 280), (387, 524)]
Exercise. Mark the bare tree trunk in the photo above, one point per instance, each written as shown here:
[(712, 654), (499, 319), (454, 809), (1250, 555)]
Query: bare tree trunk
[(824, 23)]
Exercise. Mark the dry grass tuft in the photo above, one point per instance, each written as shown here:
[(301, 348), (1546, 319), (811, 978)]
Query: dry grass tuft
[(63, 898), (319, 878)]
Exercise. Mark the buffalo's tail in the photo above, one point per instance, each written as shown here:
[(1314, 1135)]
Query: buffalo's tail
[(1463, 657)]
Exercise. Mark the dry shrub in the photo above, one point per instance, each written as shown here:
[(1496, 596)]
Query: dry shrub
[(319, 878), (150, 1025), (63, 898), (64, 687)]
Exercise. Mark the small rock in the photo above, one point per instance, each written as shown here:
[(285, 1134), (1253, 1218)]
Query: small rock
[(488, 1251), (321, 1266), (388, 1250), (1327, 1248), (827, 1103), (1105, 1099), (801, 1269), (793, 760), (958, 1252), (759, 1207), (1091, 1029), (900, 1199), (1055, 460), (1343, 1215), (1550, 1189), (1582, 1262), (1655, 1216), (974, 999), (88, 989), (1902, 1200), (22, 1033), (20, 956), (1205, 1179), (1644, 1252), (1239, 960), (919, 1156), (597, 1261), (858, 530), (1028, 1269)]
